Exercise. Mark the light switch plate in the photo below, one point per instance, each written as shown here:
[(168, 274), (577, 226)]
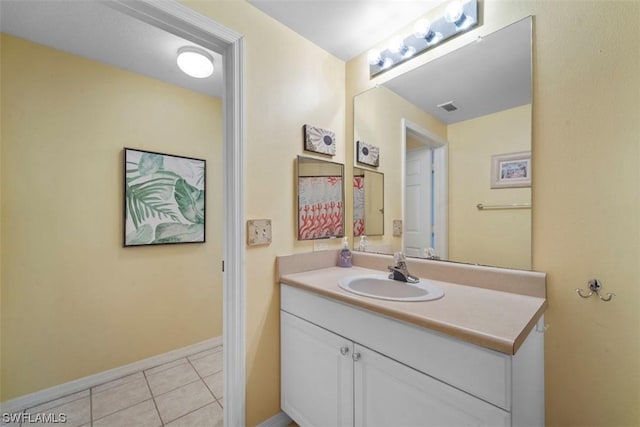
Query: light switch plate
[(258, 232), (397, 227)]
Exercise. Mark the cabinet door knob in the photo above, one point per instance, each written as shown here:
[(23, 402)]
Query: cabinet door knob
[(344, 350), (355, 356)]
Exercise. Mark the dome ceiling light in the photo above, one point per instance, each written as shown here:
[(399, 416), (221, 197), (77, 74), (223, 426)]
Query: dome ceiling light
[(195, 62)]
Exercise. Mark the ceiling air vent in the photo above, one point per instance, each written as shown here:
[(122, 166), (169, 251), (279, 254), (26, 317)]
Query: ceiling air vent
[(448, 107)]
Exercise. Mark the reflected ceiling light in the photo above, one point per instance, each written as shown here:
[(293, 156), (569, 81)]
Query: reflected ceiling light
[(422, 30), (397, 46), (455, 14), (195, 62)]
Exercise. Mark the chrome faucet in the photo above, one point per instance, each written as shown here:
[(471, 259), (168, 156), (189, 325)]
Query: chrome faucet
[(399, 271)]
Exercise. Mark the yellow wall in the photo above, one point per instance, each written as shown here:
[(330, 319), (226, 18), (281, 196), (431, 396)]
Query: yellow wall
[(498, 237), (289, 82), (586, 203), (74, 301), (378, 114)]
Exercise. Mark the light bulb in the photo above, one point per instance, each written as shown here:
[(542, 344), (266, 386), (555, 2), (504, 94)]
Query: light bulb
[(195, 62), (454, 11), (374, 57), (388, 62), (396, 44), (421, 29), (455, 14)]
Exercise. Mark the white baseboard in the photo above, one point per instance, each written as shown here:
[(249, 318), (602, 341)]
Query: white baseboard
[(33, 399), (278, 420)]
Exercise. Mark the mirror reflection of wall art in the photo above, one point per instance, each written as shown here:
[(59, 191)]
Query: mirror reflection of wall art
[(319, 140), (164, 198), (358, 205), (368, 154), (511, 170)]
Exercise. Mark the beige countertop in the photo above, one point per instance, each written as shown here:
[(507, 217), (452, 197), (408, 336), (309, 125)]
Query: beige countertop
[(493, 319)]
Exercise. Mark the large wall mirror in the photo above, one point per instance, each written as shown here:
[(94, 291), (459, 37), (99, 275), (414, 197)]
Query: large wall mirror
[(455, 144), (320, 199)]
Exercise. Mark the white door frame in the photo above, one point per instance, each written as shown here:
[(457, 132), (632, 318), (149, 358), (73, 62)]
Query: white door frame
[(441, 193), (175, 18)]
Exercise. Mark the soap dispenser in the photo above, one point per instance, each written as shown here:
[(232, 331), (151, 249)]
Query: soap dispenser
[(362, 246), (344, 259)]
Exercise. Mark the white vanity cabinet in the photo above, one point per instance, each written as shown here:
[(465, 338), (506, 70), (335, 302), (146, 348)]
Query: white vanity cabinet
[(316, 374), (345, 366)]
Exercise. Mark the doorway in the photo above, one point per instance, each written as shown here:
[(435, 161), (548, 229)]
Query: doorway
[(425, 192), (182, 21)]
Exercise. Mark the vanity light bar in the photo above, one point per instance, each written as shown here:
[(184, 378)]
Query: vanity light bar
[(459, 16)]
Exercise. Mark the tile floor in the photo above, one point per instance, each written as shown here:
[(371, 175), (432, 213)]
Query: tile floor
[(184, 393)]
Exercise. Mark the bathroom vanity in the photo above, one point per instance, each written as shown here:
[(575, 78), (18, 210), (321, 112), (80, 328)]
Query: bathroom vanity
[(473, 357)]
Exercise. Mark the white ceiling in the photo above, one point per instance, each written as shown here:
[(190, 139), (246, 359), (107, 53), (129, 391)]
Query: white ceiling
[(481, 78), (346, 28), (92, 30)]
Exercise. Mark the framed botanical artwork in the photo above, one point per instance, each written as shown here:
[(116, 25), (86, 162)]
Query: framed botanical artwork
[(164, 198), (319, 140), (511, 170), (368, 154)]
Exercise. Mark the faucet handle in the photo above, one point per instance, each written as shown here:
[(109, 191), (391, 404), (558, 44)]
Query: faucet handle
[(399, 257)]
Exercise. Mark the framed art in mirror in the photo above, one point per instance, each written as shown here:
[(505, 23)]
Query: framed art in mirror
[(511, 170), (368, 154), (164, 198), (368, 203)]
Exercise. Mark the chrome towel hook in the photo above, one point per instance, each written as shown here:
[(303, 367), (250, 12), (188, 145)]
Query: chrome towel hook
[(595, 286)]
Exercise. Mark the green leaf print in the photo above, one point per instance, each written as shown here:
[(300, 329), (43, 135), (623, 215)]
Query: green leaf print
[(190, 201)]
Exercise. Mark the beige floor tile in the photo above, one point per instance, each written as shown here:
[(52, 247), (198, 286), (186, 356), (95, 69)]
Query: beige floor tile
[(215, 383), (119, 397), (75, 413), (183, 400), (115, 383), (172, 378), (205, 353), (59, 402), (166, 366), (221, 402), (210, 416), (141, 415), (209, 364)]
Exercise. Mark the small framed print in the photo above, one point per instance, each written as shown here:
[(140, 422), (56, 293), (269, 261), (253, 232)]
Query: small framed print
[(511, 170), (319, 140), (368, 154)]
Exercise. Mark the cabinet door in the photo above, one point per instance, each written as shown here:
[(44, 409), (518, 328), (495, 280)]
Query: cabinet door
[(388, 393), (316, 374)]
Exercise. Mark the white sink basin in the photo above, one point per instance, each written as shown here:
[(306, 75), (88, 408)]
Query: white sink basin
[(381, 287)]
